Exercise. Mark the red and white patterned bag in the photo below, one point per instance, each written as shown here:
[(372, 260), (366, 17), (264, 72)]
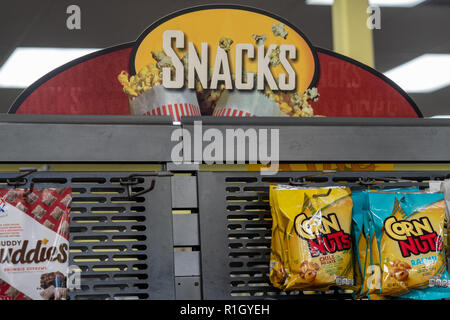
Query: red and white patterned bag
[(34, 243)]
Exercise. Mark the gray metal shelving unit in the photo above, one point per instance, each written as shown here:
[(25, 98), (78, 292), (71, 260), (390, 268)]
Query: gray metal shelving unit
[(219, 248)]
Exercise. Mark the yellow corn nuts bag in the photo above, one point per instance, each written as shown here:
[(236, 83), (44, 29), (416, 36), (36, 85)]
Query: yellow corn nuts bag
[(311, 242)]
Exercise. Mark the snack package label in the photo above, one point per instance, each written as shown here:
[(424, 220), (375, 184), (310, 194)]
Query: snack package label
[(313, 226), (34, 245), (411, 247)]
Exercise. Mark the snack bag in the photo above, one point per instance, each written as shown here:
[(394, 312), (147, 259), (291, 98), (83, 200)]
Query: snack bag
[(278, 273), (315, 226), (411, 245), (367, 260), (375, 234), (34, 243), (359, 241), (438, 288)]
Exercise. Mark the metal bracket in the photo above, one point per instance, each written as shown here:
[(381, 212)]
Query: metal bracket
[(132, 180), (20, 180), (322, 194), (300, 181)]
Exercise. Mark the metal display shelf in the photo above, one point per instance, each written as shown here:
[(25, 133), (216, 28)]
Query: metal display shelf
[(346, 139), (69, 139), (198, 234), (235, 225), (113, 239)]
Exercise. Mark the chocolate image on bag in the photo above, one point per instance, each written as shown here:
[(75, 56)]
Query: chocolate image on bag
[(57, 213), (315, 225), (56, 279), (48, 199), (39, 212), (48, 293), (12, 195), (60, 293), (67, 200), (31, 198), (12, 293), (34, 254)]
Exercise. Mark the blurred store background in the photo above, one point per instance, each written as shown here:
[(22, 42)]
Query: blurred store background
[(412, 46)]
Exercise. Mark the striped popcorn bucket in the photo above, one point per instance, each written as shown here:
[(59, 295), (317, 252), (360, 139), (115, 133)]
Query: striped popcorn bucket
[(159, 101), (246, 104)]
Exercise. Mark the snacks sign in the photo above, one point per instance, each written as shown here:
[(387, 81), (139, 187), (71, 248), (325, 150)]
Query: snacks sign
[(217, 60), (245, 41), (210, 63)]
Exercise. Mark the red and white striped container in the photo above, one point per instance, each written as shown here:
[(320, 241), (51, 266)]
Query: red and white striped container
[(159, 101), (231, 112), (246, 104)]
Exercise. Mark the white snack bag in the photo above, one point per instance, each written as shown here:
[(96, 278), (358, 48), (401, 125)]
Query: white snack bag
[(34, 243)]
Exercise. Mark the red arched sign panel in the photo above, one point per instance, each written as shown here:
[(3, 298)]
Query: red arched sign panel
[(89, 85)]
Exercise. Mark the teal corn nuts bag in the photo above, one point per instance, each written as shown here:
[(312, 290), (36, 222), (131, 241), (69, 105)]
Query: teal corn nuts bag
[(411, 227)]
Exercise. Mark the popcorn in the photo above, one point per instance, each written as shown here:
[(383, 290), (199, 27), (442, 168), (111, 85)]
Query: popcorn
[(279, 31), (296, 100), (275, 57), (294, 103), (313, 94), (225, 43), (259, 39), (185, 60), (162, 60), (291, 103)]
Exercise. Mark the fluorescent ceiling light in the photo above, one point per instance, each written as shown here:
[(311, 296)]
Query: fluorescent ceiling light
[(27, 64), (427, 73), (379, 3)]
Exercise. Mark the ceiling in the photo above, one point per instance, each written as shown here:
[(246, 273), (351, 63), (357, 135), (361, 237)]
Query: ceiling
[(405, 32)]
